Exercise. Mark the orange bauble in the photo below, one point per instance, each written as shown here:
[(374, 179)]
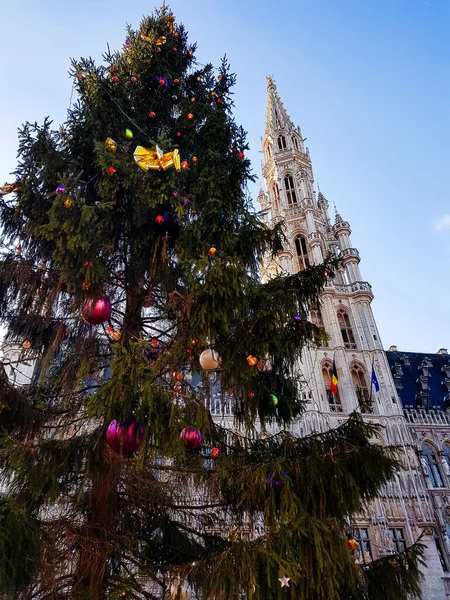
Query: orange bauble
[(26, 344), (184, 164), (212, 251), (190, 116), (352, 545), (179, 376), (252, 360)]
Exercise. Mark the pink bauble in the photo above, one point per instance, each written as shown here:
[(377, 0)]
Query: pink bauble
[(96, 312), (124, 439), (134, 436), (191, 438), (113, 435)]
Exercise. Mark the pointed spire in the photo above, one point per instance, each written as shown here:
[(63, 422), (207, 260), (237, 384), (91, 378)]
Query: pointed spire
[(262, 199), (277, 116), (321, 197), (337, 216)]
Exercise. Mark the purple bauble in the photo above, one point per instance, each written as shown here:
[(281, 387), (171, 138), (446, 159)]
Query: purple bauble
[(124, 439), (60, 189), (297, 319), (191, 438), (152, 353)]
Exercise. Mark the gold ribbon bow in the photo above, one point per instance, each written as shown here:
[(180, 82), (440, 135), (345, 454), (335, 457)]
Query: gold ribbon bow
[(169, 22), (156, 160), (8, 188)]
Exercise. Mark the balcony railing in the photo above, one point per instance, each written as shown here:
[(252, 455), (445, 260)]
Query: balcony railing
[(419, 416)]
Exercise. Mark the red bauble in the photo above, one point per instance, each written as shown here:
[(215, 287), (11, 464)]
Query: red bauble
[(251, 395), (178, 133), (115, 79), (134, 79), (159, 219), (96, 312), (111, 171), (184, 164), (124, 439), (176, 81), (241, 156), (214, 452), (162, 82), (219, 100), (191, 438), (151, 114)]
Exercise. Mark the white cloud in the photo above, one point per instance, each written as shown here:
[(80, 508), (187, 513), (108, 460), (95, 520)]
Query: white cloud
[(442, 223)]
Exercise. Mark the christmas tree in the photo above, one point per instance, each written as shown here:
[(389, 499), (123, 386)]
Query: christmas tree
[(130, 273)]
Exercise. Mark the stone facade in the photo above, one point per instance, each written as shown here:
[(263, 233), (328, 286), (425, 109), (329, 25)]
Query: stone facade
[(410, 505)]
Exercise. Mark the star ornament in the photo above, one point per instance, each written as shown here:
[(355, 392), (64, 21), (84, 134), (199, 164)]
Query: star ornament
[(284, 581)]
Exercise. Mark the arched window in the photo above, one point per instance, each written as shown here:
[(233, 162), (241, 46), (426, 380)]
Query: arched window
[(334, 400), (346, 329), (294, 141), (316, 319), (430, 461), (302, 252), (290, 191), (360, 385), (282, 142), (446, 452)]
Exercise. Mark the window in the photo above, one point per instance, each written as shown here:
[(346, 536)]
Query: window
[(302, 252), (360, 385), (346, 329), (334, 400), (282, 142), (316, 318), (276, 196), (294, 141), (290, 191), (398, 539), (446, 452), (361, 536), (432, 468), (437, 541)]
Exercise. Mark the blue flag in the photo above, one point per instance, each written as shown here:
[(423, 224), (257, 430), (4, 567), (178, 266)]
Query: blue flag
[(375, 380)]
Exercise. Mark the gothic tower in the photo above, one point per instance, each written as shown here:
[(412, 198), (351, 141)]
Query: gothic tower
[(404, 509), (346, 312)]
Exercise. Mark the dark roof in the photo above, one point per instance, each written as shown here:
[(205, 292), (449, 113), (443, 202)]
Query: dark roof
[(420, 379)]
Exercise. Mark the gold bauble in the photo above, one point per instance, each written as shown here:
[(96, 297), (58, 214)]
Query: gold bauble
[(209, 360)]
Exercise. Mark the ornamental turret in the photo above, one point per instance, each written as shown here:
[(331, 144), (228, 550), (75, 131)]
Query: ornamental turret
[(348, 254)]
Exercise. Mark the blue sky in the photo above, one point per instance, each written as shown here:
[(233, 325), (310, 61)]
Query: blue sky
[(367, 80)]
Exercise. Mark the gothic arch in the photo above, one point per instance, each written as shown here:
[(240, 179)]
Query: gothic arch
[(334, 400), (274, 193), (431, 465), (360, 383), (268, 149), (346, 327), (281, 142), (289, 188), (302, 251)]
